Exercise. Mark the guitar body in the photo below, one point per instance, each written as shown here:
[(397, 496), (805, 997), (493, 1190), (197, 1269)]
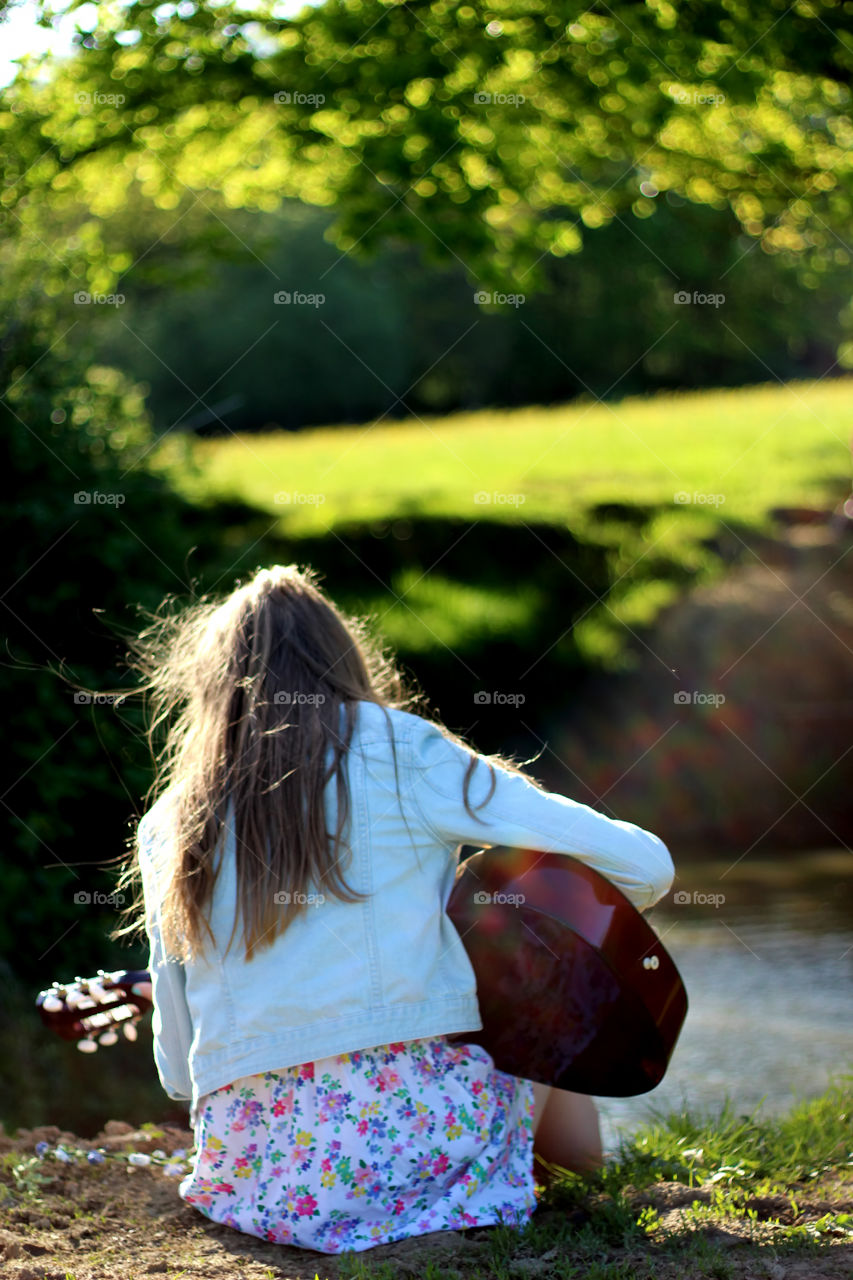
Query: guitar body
[(574, 987)]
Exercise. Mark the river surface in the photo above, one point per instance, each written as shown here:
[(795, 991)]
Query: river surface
[(769, 978)]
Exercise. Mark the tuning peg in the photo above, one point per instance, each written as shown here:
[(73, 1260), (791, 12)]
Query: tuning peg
[(86, 1046), (129, 1031), (51, 1003), (109, 1037), (78, 1000)]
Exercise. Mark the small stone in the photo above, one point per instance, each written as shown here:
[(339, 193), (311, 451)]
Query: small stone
[(114, 1128)]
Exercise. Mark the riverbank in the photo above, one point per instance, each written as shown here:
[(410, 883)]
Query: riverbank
[(733, 1198)]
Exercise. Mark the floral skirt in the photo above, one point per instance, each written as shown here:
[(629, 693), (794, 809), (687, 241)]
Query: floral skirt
[(365, 1148)]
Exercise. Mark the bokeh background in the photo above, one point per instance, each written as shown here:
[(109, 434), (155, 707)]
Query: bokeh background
[(529, 325)]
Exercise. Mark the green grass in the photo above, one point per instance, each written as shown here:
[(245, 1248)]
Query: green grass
[(684, 471), (813, 1138), (776, 1187), (753, 448)]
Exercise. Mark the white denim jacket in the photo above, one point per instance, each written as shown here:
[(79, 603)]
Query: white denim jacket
[(347, 976)]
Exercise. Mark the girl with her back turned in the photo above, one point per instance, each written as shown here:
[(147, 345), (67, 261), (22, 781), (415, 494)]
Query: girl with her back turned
[(294, 869)]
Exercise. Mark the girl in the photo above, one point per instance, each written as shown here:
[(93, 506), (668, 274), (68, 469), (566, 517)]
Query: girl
[(294, 872)]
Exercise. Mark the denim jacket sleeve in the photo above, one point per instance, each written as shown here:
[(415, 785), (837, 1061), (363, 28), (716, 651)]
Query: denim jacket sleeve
[(172, 1024), (520, 815)]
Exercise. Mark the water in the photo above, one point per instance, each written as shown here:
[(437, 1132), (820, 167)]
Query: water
[(768, 977)]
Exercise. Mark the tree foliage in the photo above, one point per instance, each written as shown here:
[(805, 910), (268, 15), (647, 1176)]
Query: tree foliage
[(393, 336), (492, 134)]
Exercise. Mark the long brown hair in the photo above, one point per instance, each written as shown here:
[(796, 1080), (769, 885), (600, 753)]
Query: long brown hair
[(248, 690)]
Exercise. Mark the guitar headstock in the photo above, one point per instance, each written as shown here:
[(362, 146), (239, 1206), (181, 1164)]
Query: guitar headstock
[(92, 1011)]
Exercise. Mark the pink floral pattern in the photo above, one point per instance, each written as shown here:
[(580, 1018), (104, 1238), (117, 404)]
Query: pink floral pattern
[(362, 1149)]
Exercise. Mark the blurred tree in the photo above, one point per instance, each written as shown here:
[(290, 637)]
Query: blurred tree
[(400, 336), (491, 134)]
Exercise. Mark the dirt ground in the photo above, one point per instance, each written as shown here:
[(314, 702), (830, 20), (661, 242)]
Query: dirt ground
[(114, 1221)]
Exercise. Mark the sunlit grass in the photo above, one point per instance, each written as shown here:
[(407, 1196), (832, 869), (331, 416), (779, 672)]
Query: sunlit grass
[(815, 1137), (729, 454), (680, 470), (429, 610)]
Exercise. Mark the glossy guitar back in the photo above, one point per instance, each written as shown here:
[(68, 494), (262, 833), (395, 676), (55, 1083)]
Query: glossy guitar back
[(574, 987)]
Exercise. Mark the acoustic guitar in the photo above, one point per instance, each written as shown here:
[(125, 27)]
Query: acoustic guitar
[(574, 987)]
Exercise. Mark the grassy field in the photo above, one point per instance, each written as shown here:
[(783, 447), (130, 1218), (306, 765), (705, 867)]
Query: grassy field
[(658, 481), (726, 1197), (736, 453)]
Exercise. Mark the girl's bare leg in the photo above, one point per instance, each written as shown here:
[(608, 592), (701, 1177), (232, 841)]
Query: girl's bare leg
[(565, 1128)]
